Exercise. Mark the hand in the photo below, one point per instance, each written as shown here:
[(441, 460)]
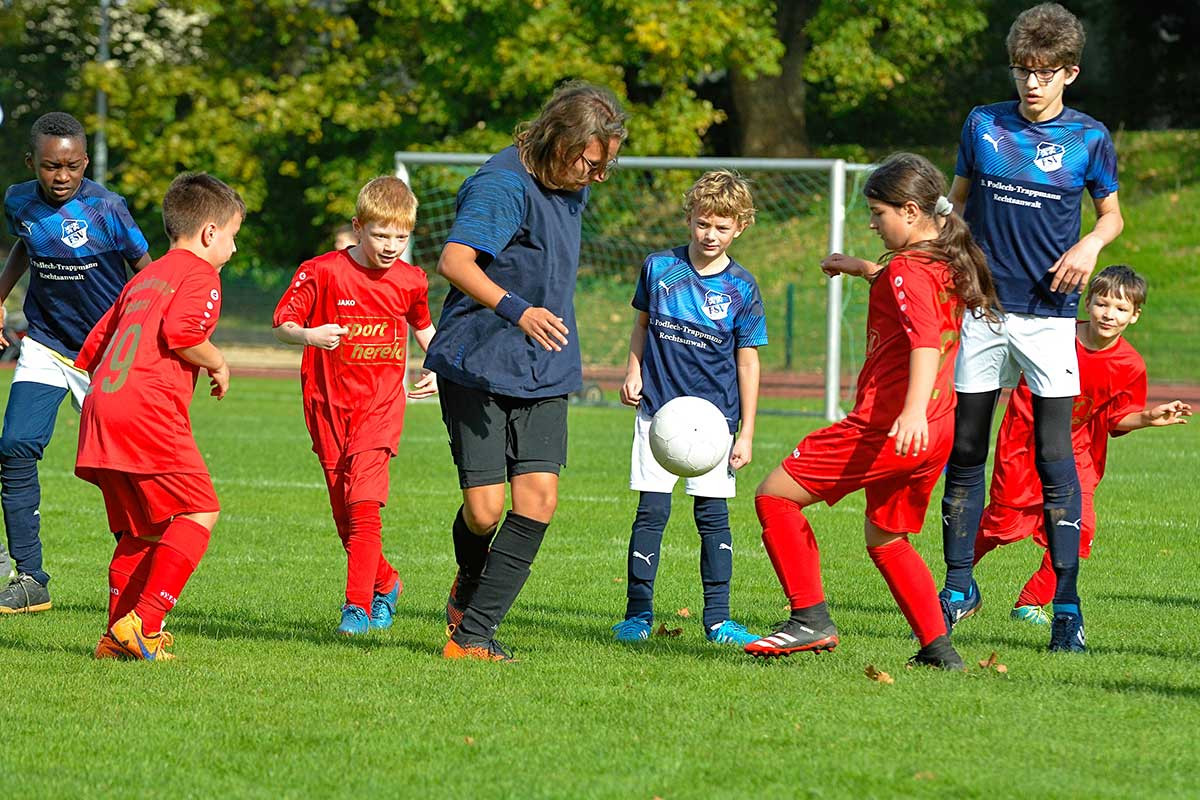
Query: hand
[(911, 432), (220, 380), (1074, 267), (838, 264), (3, 318), (425, 387), (631, 389), (1175, 412), (327, 336), (541, 325), (742, 454)]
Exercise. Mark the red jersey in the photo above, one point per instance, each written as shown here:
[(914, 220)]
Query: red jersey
[(912, 304), (1112, 385), (135, 416), (354, 395)]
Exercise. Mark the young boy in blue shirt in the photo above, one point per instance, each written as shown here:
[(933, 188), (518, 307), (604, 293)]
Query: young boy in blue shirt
[(699, 324), (75, 238)]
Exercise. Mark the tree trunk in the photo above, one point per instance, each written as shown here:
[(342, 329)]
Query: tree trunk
[(770, 108)]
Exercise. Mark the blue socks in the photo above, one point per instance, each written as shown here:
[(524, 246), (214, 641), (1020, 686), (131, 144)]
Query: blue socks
[(20, 496), (962, 508), (645, 542), (716, 557), (1063, 510)]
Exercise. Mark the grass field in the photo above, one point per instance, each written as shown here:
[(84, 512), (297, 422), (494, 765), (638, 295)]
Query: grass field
[(264, 700)]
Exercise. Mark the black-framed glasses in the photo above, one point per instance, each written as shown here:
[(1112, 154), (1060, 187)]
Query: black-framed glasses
[(596, 168), (1044, 75)]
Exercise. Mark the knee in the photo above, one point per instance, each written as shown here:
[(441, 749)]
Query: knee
[(711, 514), (654, 509), (13, 447), (482, 517), (539, 505)]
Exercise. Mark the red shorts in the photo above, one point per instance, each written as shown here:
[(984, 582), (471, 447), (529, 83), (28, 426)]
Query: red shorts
[(358, 477), (143, 505), (1005, 524), (847, 456)]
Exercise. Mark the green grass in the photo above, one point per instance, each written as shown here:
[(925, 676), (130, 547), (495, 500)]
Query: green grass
[(265, 701)]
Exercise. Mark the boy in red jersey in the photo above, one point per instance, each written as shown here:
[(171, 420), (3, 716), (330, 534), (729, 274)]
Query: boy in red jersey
[(898, 437), (352, 309), (1111, 402), (135, 438)]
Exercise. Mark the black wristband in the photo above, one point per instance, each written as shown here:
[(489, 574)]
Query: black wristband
[(511, 307)]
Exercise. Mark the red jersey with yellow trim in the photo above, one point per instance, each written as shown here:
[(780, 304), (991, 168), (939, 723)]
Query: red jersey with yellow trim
[(912, 305), (135, 416), (354, 394), (1112, 385)]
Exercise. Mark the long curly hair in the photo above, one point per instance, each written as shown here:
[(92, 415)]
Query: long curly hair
[(575, 114)]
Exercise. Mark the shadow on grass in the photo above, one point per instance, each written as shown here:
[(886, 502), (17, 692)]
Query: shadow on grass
[(1155, 599)]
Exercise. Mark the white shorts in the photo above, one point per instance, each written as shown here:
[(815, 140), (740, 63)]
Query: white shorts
[(647, 475), (993, 355), (39, 364)]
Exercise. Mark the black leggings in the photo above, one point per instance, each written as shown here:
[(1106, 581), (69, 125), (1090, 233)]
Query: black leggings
[(973, 427)]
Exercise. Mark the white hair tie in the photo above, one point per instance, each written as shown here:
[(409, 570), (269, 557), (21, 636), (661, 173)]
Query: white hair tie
[(943, 207)]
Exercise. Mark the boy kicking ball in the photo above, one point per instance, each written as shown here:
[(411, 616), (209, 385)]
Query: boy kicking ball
[(351, 310), (698, 329), (1111, 402), (135, 438)]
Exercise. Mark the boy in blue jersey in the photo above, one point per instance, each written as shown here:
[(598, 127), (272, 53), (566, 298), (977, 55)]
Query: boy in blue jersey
[(77, 237), (697, 332), (1022, 169), (505, 351)]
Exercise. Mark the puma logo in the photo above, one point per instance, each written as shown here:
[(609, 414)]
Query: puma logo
[(724, 546), (645, 558), (1069, 524), (995, 143)]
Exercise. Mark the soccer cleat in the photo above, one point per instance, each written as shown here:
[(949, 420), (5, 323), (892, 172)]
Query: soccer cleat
[(128, 635), (354, 621), (383, 606), (1066, 630), (956, 606), (634, 629), (794, 637), (107, 647), (939, 654), (730, 632), (454, 611), (1034, 615), (489, 650), (24, 595)]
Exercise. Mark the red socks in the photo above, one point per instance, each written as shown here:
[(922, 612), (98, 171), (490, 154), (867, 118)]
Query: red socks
[(174, 558), (792, 548), (912, 585), (1040, 589), (127, 575), (367, 571)]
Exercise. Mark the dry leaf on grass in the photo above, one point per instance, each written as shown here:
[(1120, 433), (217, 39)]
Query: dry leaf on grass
[(878, 675), (924, 775), (468, 740), (663, 630), (618, 580), (992, 662), (683, 612)]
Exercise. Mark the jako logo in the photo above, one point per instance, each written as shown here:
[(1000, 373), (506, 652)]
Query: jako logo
[(345, 302)]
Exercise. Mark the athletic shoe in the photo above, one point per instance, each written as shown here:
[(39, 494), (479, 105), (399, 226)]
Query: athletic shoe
[(128, 634), (454, 611), (489, 650), (354, 621), (634, 629), (107, 647), (794, 637), (956, 606), (1034, 615), (383, 607), (1066, 630), (24, 594), (939, 654), (730, 632)]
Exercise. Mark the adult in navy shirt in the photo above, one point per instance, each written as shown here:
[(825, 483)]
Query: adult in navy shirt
[(75, 239), (1022, 169), (505, 351)]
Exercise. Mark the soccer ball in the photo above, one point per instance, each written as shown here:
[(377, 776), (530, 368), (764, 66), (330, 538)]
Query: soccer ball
[(689, 436)]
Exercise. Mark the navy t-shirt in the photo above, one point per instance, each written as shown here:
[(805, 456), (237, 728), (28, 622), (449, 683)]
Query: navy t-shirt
[(528, 239), (77, 255), (697, 323), (1027, 181)]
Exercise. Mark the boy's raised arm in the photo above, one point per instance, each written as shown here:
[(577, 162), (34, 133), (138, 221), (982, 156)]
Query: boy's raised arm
[(1175, 412)]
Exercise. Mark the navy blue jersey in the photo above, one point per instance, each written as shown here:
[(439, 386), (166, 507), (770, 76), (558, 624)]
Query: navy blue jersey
[(1027, 181), (697, 324), (528, 238), (77, 255)]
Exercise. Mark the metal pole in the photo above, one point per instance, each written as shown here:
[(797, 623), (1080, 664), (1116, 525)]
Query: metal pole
[(100, 149), (833, 323), (402, 174)]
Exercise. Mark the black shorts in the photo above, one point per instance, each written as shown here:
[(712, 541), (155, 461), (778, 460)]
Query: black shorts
[(494, 437)]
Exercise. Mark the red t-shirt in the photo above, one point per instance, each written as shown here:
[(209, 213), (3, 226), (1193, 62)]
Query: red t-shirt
[(135, 416), (1112, 385), (912, 304), (354, 395)]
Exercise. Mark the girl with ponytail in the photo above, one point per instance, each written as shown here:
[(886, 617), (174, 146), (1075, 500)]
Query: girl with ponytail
[(897, 439)]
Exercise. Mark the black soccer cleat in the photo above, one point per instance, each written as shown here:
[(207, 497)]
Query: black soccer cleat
[(939, 654)]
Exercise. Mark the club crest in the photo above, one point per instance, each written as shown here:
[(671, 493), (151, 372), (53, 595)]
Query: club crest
[(716, 305), (1049, 156), (74, 232)]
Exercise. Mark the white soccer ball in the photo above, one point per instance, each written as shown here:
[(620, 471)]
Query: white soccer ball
[(689, 436)]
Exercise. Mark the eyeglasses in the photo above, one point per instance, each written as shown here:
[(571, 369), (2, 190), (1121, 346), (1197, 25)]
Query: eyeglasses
[(1044, 76), (596, 168)]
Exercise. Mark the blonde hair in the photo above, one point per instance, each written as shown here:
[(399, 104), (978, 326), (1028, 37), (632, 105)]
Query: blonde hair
[(195, 199), (575, 114), (720, 193), (386, 199)]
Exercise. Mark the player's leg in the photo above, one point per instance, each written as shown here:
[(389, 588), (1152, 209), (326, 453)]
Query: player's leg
[(372, 584), (1038, 591)]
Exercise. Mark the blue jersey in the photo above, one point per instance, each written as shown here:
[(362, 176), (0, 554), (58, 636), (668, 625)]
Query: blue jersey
[(528, 239), (1027, 181), (77, 255), (697, 324)]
